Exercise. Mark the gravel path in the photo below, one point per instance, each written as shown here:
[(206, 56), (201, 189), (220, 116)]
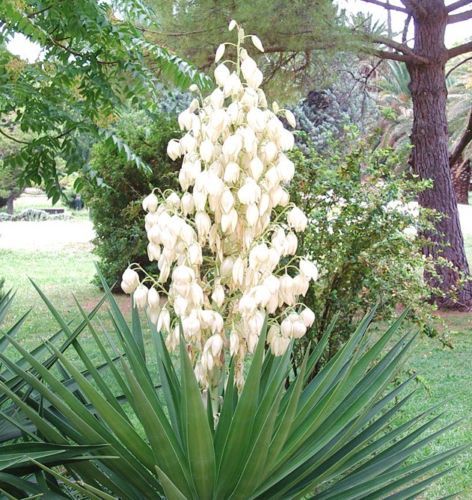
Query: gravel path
[(52, 235)]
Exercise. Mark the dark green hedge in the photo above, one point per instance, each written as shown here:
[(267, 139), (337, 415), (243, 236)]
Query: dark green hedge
[(115, 201)]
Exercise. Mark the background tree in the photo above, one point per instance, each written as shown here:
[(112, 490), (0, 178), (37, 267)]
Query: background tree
[(426, 63), (94, 63), (300, 38), (9, 172)]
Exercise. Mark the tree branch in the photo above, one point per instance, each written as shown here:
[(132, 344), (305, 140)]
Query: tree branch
[(405, 29), (400, 47), (413, 7), (395, 56), (459, 50), (461, 16), (404, 50), (448, 74), (458, 5), (13, 138), (386, 5), (463, 142)]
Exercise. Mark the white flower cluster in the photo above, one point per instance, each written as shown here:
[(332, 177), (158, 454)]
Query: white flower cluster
[(228, 243), (410, 209)]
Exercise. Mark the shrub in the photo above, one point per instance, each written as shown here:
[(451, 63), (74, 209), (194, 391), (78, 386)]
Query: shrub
[(364, 227), (119, 430), (115, 192)]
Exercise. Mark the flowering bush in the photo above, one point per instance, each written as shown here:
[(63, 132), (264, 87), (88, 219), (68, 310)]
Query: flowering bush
[(365, 227), (228, 243)]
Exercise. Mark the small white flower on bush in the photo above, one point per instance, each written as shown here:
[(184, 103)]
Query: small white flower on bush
[(227, 242)]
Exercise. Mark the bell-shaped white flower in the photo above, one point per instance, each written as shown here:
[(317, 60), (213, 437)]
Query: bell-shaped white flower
[(221, 74), (309, 269), (297, 219), (174, 150), (218, 295), (153, 299), (206, 151), (231, 174), (130, 281), (163, 323), (150, 203), (307, 316)]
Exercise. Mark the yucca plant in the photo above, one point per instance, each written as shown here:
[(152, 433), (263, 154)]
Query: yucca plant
[(147, 433)]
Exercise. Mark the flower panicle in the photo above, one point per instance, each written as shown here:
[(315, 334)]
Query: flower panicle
[(228, 241)]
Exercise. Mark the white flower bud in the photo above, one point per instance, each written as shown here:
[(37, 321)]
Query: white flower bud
[(301, 284), (291, 243), (185, 120), (309, 269), (252, 214), (307, 316), (285, 168), (130, 280), (153, 251), (231, 174), (256, 167), (262, 295), (297, 219), (219, 52), (227, 201), (187, 204), (238, 272), (286, 328), (196, 294), (256, 119), (218, 295), (217, 98), (195, 254), (173, 149), (153, 300), (206, 150), (269, 152), (150, 203), (232, 146), (214, 345), (287, 140), (233, 343), (173, 200), (298, 329), (203, 223), (290, 117), (199, 199), (232, 85), (180, 306), (257, 43), (249, 192), (221, 74), (140, 297), (163, 323), (229, 221)]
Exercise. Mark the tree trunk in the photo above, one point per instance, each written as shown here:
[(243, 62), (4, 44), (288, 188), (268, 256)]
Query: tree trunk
[(10, 201), (430, 153), (461, 175)]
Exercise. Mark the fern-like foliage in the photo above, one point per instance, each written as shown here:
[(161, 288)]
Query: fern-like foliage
[(95, 64)]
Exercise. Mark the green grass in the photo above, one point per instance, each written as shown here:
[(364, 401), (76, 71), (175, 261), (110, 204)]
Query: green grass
[(445, 375)]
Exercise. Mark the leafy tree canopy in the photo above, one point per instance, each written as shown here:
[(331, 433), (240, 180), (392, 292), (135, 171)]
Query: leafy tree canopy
[(94, 62)]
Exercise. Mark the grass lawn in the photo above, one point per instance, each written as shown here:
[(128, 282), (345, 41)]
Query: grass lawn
[(446, 374)]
